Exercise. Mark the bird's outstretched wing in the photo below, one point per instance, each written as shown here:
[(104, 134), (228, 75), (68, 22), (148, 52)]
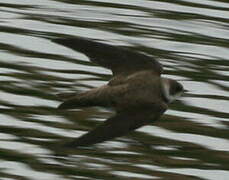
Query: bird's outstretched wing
[(119, 125), (119, 60)]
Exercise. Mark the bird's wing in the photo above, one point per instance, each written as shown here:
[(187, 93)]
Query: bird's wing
[(120, 125), (119, 60)]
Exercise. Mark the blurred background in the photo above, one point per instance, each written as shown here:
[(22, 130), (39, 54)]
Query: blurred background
[(190, 39)]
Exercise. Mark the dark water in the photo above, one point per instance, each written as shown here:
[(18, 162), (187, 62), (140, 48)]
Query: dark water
[(190, 38)]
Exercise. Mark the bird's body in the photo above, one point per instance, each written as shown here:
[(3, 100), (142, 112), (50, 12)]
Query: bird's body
[(137, 92), (128, 91)]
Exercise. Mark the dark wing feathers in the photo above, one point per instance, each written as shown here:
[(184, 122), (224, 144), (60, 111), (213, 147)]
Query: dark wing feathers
[(119, 125), (119, 60)]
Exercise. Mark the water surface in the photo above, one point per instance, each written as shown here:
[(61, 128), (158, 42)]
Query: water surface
[(190, 39)]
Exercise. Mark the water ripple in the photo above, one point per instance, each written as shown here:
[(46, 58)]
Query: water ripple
[(190, 39)]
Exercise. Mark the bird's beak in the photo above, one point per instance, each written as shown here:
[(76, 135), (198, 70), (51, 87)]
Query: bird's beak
[(185, 90), (186, 93)]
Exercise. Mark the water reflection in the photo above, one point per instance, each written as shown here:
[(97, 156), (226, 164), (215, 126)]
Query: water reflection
[(190, 40)]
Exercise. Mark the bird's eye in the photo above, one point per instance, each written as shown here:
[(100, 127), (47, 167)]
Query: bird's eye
[(175, 88), (179, 88)]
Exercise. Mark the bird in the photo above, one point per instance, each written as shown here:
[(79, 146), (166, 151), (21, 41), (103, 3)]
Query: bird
[(137, 92)]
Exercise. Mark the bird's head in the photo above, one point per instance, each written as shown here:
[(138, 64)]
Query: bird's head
[(171, 89)]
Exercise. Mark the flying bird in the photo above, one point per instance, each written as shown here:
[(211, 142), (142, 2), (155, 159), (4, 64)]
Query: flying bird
[(136, 91)]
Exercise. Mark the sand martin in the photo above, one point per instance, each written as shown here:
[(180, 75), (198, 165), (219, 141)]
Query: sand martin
[(137, 92)]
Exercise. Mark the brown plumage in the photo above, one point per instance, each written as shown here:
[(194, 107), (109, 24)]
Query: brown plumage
[(137, 92)]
